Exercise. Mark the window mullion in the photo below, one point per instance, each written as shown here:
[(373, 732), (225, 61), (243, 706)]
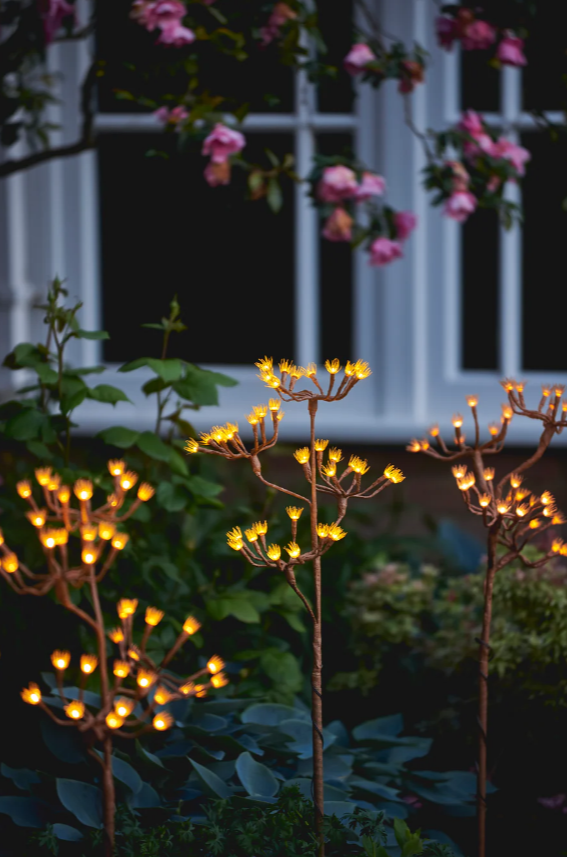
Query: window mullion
[(510, 311)]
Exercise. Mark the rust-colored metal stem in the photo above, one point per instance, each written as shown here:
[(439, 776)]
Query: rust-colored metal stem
[(483, 666), (316, 675)]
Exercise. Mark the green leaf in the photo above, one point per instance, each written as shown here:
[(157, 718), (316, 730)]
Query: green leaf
[(282, 668), (173, 498), (212, 784), (119, 436), (107, 393), (82, 799), (203, 488), (46, 374), (153, 446), (169, 370), (26, 425), (72, 401), (134, 364), (39, 449), (155, 385), (380, 728), (92, 334), (21, 777), (24, 355), (274, 195), (126, 774), (256, 778), (66, 833), (177, 463), (270, 714)]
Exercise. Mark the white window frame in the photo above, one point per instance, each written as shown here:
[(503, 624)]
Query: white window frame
[(406, 317)]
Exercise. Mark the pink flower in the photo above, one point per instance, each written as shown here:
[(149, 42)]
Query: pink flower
[(383, 251), (159, 13), (404, 223), (53, 13), (517, 155), (460, 175), (510, 51), (478, 36), (446, 30), (371, 185), (217, 173), (176, 35), (555, 802), (338, 183), (494, 184), (472, 124), (460, 205), (358, 58), (338, 226), (162, 113), (411, 73), (281, 13), (222, 142), (171, 117)]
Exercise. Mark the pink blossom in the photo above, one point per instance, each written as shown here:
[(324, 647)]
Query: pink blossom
[(411, 73), (171, 117), (338, 226), (460, 175), (217, 173), (517, 155), (460, 205), (478, 36), (371, 185), (281, 13), (337, 183), (159, 13), (494, 184), (510, 51), (472, 124), (446, 30), (358, 58), (222, 142), (53, 13), (404, 223), (555, 802), (175, 34), (383, 251)]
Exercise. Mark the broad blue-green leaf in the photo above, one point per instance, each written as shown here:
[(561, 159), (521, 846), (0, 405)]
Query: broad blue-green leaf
[(65, 744), (21, 777), (126, 774), (301, 733), (145, 798), (270, 714), (119, 436), (82, 799), (67, 833), (146, 756), (401, 755), (153, 446), (24, 811), (210, 722), (383, 726), (338, 808), (212, 785), (256, 778), (108, 394), (386, 792)]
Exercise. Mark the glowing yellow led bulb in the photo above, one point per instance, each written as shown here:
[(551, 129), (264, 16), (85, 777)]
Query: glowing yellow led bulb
[(31, 694), (191, 625), (88, 532), (302, 455), (75, 710), (88, 663), (83, 489), (116, 635), (153, 616), (120, 541), (24, 489), (60, 659), (128, 480), (113, 720), (37, 518), (88, 556), (123, 706), (127, 607), (121, 669), (162, 695), (191, 445), (43, 475), (293, 550), (215, 664), (146, 492), (10, 563), (116, 466), (162, 721), (274, 552), (106, 530), (220, 680), (294, 512), (145, 678)]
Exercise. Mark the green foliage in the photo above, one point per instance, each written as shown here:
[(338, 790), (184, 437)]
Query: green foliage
[(438, 618), (230, 828)]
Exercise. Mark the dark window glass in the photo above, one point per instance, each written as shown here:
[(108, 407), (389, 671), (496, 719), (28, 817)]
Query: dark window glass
[(543, 246), (335, 276), (480, 252), (544, 86), (480, 83), (261, 81), (336, 95), (164, 231)]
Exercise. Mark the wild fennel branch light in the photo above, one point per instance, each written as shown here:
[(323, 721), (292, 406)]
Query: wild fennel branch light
[(512, 515), (321, 471), (134, 701)]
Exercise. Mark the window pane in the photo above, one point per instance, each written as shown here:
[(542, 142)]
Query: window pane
[(480, 252), (335, 275), (480, 84), (335, 23), (261, 80), (543, 77), (544, 240), (164, 231)]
